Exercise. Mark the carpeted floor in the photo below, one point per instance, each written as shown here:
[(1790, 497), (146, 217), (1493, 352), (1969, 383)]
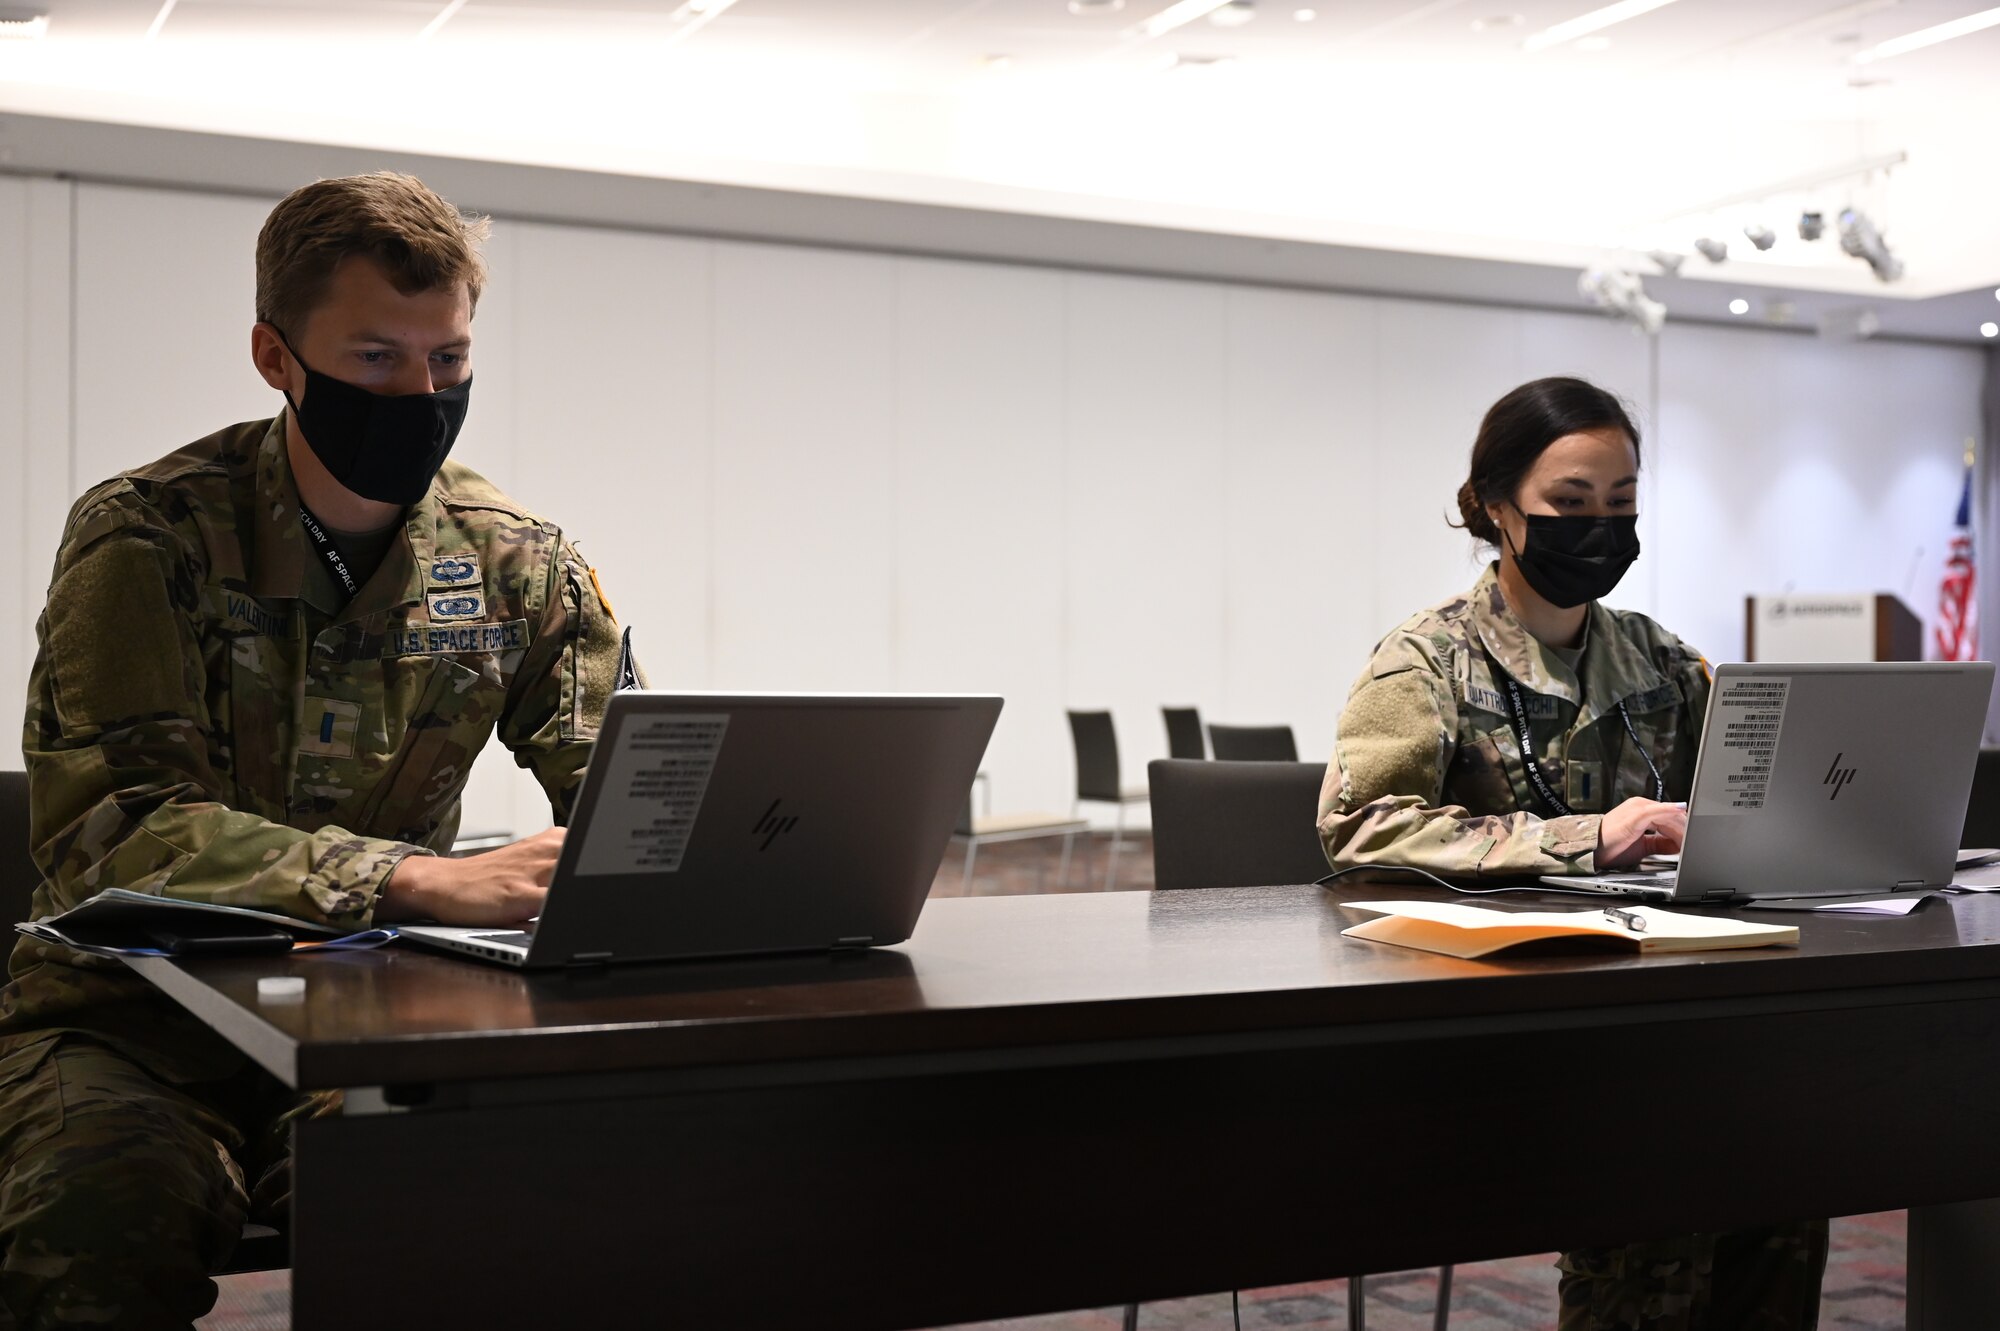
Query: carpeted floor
[(1864, 1288), (1863, 1292)]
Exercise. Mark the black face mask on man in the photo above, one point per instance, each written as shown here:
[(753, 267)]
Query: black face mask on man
[(1569, 559), (385, 447)]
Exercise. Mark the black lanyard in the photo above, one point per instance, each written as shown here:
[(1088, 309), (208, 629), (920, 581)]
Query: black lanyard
[(1540, 782), (329, 553)]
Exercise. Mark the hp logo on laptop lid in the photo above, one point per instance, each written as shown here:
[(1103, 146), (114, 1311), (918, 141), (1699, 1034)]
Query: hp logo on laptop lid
[(773, 825), (1838, 776)]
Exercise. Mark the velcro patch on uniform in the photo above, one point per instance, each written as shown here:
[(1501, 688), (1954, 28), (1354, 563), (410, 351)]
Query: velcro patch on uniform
[(447, 639), (1539, 706), (328, 726), (1654, 700), (238, 613), (454, 571), (456, 605)]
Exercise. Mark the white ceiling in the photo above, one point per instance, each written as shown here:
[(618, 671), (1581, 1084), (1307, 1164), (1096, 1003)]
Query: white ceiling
[(1390, 124)]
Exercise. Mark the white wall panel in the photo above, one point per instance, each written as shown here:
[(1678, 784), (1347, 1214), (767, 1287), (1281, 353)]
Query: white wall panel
[(979, 516), (1442, 366), (35, 371), (804, 473), (1797, 464), (19, 603), (1302, 478), (605, 339), (1146, 410), (165, 297)]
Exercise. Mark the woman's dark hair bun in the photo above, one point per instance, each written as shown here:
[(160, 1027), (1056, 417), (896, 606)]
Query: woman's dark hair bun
[(1518, 429), (1474, 517)]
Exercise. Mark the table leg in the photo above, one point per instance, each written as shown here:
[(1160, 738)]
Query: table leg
[(1954, 1265)]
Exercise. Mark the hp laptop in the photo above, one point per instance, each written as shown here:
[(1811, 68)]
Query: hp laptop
[(718, 824), (1824, 780)]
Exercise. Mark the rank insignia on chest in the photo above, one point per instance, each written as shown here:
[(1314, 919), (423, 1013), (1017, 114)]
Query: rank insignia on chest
[(454, 571), (456, 606), (329, 728)]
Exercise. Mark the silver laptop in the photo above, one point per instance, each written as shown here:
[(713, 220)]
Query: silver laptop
[(718, 824), (1824, 780)]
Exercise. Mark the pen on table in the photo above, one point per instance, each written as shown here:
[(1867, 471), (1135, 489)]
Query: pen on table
[(1629, 918)]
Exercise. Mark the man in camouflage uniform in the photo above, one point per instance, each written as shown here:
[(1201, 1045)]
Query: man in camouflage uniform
[(214, 714), (1428, 772)]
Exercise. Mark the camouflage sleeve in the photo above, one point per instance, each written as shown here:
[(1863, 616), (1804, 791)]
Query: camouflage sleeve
[(118, 735), (1383, 801), (565, 682)]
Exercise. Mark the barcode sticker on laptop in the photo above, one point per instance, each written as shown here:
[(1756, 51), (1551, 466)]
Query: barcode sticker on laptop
[(652, 793), (1748, 718)]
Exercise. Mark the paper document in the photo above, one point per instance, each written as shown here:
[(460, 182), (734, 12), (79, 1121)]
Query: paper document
[(1884, 903), (1476, 931)]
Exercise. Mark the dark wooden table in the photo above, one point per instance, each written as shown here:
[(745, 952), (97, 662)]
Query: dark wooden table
[(1054, 1102)]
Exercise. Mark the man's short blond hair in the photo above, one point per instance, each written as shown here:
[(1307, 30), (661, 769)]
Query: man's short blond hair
[(421, 242)]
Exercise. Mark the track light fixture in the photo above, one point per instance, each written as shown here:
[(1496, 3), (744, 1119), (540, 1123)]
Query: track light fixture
[(1861, 238), (1760, 235), (1621, 294), (1812, 225), (1713, 250)]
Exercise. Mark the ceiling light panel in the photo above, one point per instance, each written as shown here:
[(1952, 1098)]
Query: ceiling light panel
[(1595, 21), (1176, 15), (1931, 36)]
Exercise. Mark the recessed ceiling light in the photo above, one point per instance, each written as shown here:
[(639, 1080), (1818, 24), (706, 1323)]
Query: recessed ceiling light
[(1996, 293), (1739, 306), (1234, 14), (1989, 330), (1496, 22), (23, 24), (1593, 44), (1585, 24), (1305, 15), (1095, 6)]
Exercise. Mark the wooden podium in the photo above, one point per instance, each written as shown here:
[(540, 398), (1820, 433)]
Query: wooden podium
[(1854, 627)]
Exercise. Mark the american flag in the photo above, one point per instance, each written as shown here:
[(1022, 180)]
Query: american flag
[(1958, 608)]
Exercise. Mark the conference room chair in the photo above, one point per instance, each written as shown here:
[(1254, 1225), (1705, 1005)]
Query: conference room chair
[(1247, 824), (1253, 744), (977, 830), (261, 1248), (1982, 812), (1184, 737), (1097, 777)]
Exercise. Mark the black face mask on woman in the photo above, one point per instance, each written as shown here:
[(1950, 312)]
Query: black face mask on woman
[(1569, 559), (385, 447)]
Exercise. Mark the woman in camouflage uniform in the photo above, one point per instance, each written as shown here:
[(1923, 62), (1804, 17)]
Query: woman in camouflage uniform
[(1525, 728)]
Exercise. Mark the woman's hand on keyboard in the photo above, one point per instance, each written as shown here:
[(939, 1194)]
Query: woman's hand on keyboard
[(1638, 828)]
